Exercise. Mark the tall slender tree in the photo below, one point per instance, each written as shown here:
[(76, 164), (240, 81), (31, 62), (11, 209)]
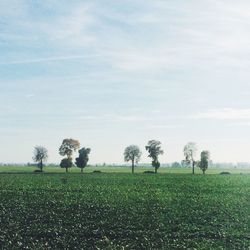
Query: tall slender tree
[(132, 153), (190, 151), (154, 149), (40, 156), (203, 164)]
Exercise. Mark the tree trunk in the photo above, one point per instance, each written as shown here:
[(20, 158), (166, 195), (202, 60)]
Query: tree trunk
[(81, 170), (203, 171), (133, 166), (155, 170), (66, 170), (193, 167), (41, 165)]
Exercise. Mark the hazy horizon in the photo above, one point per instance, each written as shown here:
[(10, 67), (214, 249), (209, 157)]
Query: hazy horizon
[(111, 74)]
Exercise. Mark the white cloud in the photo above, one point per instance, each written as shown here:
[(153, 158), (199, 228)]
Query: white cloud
[(72, 28), (224, 114), (165, 126)]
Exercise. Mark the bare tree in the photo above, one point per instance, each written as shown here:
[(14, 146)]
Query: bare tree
[(190, 151)]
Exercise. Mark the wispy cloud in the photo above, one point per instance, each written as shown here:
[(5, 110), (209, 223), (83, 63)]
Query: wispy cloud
[(165, 126), (224, 114), (241, 124), (148, 38), (64, 28), (50, 59), (30, 95), (71, 29), (115, 118)]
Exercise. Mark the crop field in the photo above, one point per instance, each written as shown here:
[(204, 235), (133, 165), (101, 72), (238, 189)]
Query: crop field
[(120, 169), (124, 211)]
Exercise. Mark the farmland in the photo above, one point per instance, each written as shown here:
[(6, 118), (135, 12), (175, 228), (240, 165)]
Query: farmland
[(124, 211), (119, 169)]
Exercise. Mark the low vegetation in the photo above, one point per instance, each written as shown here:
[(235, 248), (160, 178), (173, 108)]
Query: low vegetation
[(124, 211)]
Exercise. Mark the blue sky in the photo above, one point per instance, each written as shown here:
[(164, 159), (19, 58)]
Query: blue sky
[(114, 73)]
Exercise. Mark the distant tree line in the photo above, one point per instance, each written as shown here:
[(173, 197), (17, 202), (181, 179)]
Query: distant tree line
[(67, 148), (132, 154)]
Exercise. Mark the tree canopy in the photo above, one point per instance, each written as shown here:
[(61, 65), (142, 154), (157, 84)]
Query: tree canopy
[(68, 147), (66, 163)]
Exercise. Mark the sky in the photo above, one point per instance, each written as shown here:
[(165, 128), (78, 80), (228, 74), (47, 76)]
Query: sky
[(120, 72)]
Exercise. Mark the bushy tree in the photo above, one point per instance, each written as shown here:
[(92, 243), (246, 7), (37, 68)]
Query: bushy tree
[(154, 149), (66, 149), (40, 156), (66, 163), (83, 158), (190, 151), (205, 157), (132, 153)]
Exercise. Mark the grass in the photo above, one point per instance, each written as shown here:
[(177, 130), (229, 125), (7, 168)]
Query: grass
[(124, 211), (118, 169)]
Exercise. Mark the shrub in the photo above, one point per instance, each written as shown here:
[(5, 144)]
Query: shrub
[(37, 171), (149, 172), (225, 173)]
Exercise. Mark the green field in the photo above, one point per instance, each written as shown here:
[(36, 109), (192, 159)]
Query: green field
[(119, 169), (124, 211)]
